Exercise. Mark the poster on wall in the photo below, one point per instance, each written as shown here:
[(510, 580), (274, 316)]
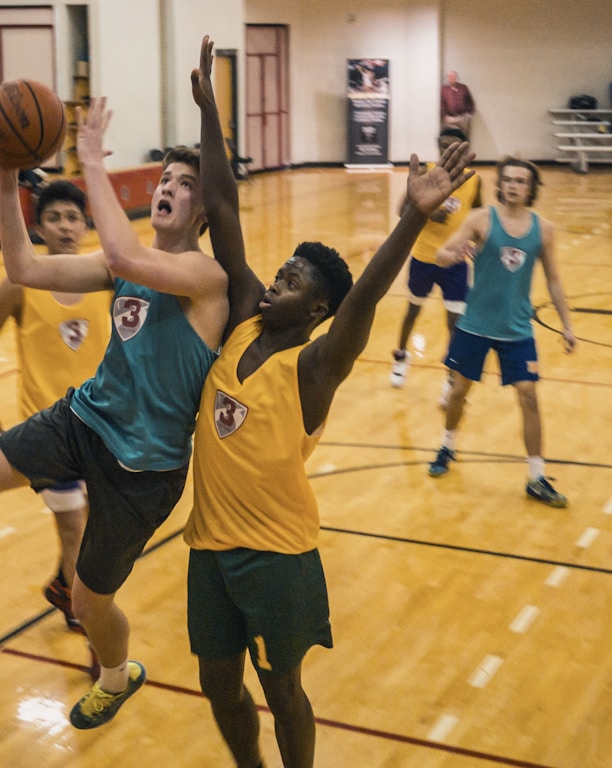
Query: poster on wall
[(368, 113)]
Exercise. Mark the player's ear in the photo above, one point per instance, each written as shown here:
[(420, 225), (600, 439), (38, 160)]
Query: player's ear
[(320, 310)]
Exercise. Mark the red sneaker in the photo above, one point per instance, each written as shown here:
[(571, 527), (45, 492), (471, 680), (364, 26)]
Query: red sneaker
[(60, 596)]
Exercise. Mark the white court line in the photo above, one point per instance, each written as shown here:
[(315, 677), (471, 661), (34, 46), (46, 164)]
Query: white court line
[(557, 576), (608, 508), (486, 669), (4, 532), (587, 538), (524, 619), (442, 728)]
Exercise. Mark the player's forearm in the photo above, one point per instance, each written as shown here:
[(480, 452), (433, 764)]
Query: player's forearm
[(117, 237), (17, 250), (218, 183), (558, 298)]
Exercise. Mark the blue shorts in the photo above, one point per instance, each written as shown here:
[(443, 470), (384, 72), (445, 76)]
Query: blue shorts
[(453, 281), (518, 360), (273, 604)]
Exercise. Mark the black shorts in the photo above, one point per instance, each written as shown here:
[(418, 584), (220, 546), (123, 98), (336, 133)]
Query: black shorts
[(274, 604), (125, 508)]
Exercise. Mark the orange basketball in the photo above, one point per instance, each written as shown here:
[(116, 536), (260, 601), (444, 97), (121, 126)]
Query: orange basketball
[(32, 123)]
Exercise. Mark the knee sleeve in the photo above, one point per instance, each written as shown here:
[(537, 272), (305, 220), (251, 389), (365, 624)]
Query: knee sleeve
[(65, 500)]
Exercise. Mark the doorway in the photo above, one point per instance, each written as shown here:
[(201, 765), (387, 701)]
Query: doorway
[(267, 96)]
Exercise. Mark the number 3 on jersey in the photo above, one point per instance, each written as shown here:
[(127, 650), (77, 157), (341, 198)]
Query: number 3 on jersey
[(129, 315), (229, 414)]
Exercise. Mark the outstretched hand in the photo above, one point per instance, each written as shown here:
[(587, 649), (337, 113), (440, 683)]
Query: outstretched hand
[(201, 85), (91, 130), (428, 191)]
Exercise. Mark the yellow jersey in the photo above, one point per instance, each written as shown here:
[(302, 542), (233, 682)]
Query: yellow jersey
[(58, 346), (434, 235), (250, 446)]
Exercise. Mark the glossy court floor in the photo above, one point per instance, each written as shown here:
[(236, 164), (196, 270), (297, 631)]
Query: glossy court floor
[(471, 624)]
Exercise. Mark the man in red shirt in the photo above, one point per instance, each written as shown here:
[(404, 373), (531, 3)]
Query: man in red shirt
[(456, 104)]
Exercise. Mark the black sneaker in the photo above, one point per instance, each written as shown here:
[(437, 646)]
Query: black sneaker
[(542, 490), (442, 460)]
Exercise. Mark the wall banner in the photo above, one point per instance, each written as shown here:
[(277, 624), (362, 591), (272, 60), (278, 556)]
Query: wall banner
[(368, 112)]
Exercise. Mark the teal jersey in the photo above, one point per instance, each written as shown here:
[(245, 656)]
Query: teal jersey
[(144, 396), (498, 303)]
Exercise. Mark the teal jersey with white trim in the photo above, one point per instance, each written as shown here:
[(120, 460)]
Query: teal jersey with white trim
[(144, 397), (498, 303)]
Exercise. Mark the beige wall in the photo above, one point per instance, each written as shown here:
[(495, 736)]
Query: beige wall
[(519, 58)]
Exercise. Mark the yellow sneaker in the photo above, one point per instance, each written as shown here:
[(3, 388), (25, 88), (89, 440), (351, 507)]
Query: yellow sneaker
[(98, 707)]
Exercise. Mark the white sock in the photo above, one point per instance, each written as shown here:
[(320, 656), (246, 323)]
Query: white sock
[(114, 679), (448, 439), (536, 467)]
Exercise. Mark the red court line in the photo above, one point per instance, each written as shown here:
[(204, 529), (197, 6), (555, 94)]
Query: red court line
[(338, 725)]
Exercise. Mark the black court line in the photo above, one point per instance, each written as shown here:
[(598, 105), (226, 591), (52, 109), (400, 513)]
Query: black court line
[(589, 311), (583, 310), (484, 457), (470, 550), (478, 458), (322, 721)]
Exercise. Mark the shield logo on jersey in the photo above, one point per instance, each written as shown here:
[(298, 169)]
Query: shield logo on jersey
[(129, 315), (74, 332), (512, 258), (229, 414)]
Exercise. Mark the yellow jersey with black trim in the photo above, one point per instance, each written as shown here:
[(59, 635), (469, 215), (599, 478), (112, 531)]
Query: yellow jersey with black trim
[(58, 345), (250, 446), (435, 234)]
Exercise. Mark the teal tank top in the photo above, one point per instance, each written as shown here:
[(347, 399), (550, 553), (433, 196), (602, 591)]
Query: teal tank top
[(498, 303), (143, 399)]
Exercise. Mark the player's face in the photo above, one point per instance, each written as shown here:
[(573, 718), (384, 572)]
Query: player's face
[(177, 201), (515, 185), (293, 296), (62, 227)]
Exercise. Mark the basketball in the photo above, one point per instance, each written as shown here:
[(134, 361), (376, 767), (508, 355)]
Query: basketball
[(32, 123)]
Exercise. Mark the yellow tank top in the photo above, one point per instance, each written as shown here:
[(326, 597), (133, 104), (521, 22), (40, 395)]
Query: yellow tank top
[(250, 445), (58, 346), (434, 235)]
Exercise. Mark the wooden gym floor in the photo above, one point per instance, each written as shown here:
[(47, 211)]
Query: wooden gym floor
[(471, 624)]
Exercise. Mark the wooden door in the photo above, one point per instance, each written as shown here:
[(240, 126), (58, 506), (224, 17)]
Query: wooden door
[(267, 96), (225, 95)]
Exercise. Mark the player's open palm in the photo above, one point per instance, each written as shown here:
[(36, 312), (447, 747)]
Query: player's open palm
[(427, 191), (91, 129), (201, 86)]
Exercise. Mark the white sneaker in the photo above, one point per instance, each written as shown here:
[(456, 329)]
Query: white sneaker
[(445, 394), (399, 369)]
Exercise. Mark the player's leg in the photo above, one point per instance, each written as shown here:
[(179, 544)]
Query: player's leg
[(420, 283), (217, 634), (9, 476), (294, 723), (68, 504), (125, 509), (519, 367), (233, 707), (453, 282), (466, 356)]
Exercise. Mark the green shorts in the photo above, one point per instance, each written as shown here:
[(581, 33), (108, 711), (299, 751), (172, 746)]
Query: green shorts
[(272, 603)]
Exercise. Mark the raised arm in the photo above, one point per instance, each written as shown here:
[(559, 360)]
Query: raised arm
[(220, 195), (333, 355), (61, 272)]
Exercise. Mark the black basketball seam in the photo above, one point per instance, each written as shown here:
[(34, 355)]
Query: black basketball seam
[(35, 152), (18, 136), (61, 127)]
